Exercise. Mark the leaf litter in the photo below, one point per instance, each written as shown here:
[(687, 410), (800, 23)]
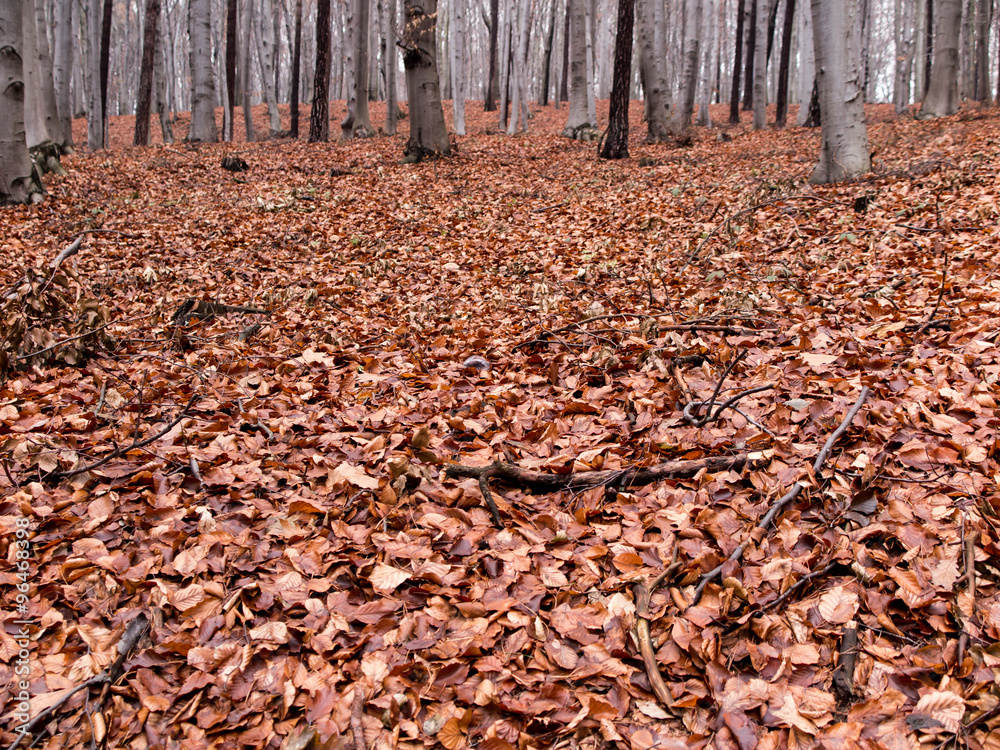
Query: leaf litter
[(272, 492)]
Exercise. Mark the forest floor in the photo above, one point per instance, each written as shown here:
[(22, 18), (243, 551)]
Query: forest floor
[(269, 492)]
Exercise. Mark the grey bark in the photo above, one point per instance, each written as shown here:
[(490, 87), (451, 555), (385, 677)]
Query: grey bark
[(807, 67), (202, 78), (578, 122), (428, 133), (264, 33), (19, 182), (693, 12), (95, 132), (844, 145), (905, 29), (457, 45), (941, 98), (760, 65), (160, 104), (357, 123), (704, 118), (246, 54), (392, 104), (62, 65), (652, 59)]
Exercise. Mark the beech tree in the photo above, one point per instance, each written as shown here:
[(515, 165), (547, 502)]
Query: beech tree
[(64, 36), (579, 124), (357, 123), (428, 133), (693, 12), (202, 78), (844, 144), (457, 29), (19, 180), (941, 98), (734, 97), (652, 59), (760, 65), (615, 144), (296, 69), (146, 74)]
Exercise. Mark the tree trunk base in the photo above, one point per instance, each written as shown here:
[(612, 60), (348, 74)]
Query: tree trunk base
[(585, 132), (45, 157)]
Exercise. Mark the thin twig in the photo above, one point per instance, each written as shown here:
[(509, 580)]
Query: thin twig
[(944, 277)]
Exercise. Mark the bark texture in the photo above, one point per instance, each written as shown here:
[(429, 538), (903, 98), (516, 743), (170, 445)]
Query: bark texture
[(693, 11), (781, 114), (578, 123), (357, 122), (615, 144), (652, 59), (428, 134), (266, 49), (19, 182), (296, 69), (905, 28), (760, 66), (232, 43), (941, 98), (319, 115), (844, 147), (734, 94), (95, 120), (146, 73), (62, 65), (457, 29), (202, 78)]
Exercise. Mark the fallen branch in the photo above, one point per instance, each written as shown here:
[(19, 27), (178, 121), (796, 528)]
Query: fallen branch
[(135, 445), (642, 597), (134, 631), (788, 497), (543, 482), (944, 277), (843, 675), (357, 711)]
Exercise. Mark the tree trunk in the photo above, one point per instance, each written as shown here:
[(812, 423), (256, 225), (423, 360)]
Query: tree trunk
[(578, 124), (202, 79), (984, 19), (844, 149), (244, 64), (760, 66), (655, 86), (95, 121), (319, 115), (428, 133), (105, 67), (296, 68), (941, 98), (492, 83), (807, 68), (786, 55), (543, 99), (457, 28), (41, 116), (734, 95), (703, 118), (357, 122), (689, 78), (564, 70), (264, 32), (232, 42), (519, 22), (615, 144), (62, 69), (19, 181), (590, 22), (146, 73), (160, 84), (392, 103), (506, 65), (928, 44), (751, 50)]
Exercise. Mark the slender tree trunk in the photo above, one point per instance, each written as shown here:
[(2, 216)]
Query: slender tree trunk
[(578, 123), (751, 51), (146, 73), (506, 65), (19, 181), (615, 144), (904, 57), (984, 19), (543, 99), (564, 71), (457, 28), (392, 95), (519, 83), (95, 120), (428, 133), (245, 67), (296, 68), (689, 78), (786, 55), (760, 67), (807, 68), (62, 70), (357, 123), (703, 118), (264, 32), (928, 44), (844, 149), (319, 115), (655, 86), (105, 68), (734, 95), (232, 42), (492, 83), (41, 111), (590, 21), (160, 83), (941, 98)]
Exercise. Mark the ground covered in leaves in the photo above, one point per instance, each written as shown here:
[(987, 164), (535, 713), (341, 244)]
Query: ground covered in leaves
[(269, 490)]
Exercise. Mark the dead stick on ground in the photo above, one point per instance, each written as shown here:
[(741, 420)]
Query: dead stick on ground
[(357, 711), (642, 597), (788, 497), (134, 631), (944, 276), (843, 676), (135, 445)]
